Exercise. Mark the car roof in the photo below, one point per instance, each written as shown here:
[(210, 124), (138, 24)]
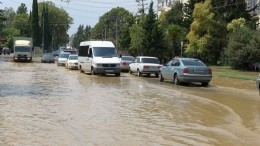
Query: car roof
[(62, 52), (145, 57), (184, 58)]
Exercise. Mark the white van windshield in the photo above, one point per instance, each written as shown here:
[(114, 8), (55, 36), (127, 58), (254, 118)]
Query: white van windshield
[(104, 52)]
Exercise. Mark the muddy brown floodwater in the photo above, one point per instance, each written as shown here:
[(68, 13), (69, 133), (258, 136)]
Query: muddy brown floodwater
[(43, 104)]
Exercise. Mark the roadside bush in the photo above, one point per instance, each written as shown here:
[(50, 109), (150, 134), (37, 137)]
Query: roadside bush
[(242, 48)]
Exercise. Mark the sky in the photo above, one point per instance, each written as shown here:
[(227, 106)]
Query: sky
[(83, 12)]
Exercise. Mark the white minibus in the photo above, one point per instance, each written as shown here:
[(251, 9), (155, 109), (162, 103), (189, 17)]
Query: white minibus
[(98, 57)]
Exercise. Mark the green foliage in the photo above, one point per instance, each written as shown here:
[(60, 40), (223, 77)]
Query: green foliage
[(243, 48), (82, 34), (150, 25), (35, 24), (236, 24), (22, 9), (136, 34), (59, 23), (9, 32), (188, 10), (175, 34), (175, 15), (21, 23), (201, 27), (113, 26)]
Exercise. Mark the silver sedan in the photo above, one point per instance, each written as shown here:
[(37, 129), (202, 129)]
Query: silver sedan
[(186, 70)]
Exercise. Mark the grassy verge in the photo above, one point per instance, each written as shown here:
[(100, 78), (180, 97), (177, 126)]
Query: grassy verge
[(226, 71)]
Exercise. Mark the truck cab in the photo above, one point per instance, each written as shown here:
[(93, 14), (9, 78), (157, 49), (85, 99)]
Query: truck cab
[(22, 49)]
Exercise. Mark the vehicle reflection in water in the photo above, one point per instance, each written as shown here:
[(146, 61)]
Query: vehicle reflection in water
[(42, 104)]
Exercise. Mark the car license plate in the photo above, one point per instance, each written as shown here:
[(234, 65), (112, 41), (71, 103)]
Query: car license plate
[(109, 70), (198, 70)]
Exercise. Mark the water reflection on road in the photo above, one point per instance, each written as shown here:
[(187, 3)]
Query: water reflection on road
[(42, 104)]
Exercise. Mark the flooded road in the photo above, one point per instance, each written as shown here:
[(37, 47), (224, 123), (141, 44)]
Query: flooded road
[(42, 104)]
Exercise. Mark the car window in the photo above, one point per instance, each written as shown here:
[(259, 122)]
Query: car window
[(64, 55), (138, 60), (175, 62), (150, 60), (73, 57), (129, 58), (169, 63), (193, 62)]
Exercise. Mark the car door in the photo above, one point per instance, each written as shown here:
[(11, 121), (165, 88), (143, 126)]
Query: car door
[(166, 70), (133, 66), (88, 61)]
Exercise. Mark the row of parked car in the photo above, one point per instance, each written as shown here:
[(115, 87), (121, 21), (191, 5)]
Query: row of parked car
[(178, 70)]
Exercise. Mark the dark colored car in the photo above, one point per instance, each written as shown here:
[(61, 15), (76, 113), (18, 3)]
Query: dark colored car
[(6, 51), (125, 61), (47, 58)]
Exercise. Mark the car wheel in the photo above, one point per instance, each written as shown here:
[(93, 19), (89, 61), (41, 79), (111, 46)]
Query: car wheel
[(161, 79), (156, 75), (176, 80), (117, 74), (205, 84), (80, 69), (92, 71), (139, 74)]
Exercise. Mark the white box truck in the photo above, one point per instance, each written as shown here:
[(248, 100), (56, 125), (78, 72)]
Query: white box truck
[(23, 49), (98, 57)]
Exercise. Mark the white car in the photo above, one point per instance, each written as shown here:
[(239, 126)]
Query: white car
[(145, 65), (62, 58), (72, 62)]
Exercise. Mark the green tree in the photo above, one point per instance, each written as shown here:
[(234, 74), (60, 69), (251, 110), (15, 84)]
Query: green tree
[(46, 34), (243, 48), (35, 24), (136, 35), (82, 34), (243, 45), (188, 10), (173, 24), (9, 15), (175, 34), (10, 32), (22, 9), (201, 35), (148, 25), (20, 22), (58, 22), (112, 26)]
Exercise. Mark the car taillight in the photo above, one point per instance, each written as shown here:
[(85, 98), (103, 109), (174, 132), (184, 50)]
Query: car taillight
[(123, 63), (185, 70), (209, 71)]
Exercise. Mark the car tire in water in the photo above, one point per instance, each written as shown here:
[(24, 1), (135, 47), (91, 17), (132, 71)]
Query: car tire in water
[(117, 74), (80, 69), (93, 71), (139, 74), (176, 80), (205, 84), (161, 79)]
